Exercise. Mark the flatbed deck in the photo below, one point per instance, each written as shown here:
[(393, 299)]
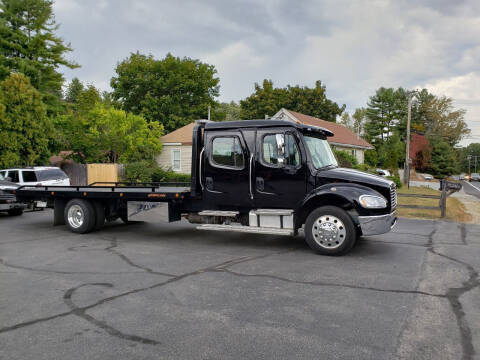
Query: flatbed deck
[(155, 193)]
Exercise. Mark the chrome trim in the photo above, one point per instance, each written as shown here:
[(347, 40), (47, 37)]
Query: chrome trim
[(250, 177), (218, 213), (247, 229), (200, 168), (379, 224)]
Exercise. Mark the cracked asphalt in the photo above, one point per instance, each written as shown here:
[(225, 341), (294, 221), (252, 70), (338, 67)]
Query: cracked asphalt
[(151, 291)]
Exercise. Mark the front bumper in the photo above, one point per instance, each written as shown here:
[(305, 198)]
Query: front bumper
[(380, 224)]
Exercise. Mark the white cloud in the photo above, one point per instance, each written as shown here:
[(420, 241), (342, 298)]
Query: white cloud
[(354, 47), (465, 90)]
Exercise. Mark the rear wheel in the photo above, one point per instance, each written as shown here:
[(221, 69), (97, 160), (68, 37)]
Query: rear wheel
[(79, 216), (329, 230)]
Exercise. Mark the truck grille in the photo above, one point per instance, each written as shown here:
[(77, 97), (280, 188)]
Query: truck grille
[(393, 196)]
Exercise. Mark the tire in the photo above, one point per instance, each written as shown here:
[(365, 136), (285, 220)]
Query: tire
[(79, 216), (15, 212), (329, 230)]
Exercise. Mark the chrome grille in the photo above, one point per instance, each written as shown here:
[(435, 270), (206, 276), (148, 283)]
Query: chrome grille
[(393, 196)]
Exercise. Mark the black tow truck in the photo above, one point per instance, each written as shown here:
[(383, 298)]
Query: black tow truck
[(254, 176)]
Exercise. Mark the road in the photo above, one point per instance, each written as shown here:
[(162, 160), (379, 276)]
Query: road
[(472, 188), (151, 291)]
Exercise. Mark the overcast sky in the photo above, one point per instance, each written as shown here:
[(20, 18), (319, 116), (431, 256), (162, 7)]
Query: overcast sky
[(354, 47)]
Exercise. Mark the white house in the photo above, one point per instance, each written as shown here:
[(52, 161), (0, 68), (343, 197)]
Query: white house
[(177, 150)]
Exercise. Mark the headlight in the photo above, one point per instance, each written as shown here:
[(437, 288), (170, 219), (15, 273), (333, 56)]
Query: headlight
[(372, 202)]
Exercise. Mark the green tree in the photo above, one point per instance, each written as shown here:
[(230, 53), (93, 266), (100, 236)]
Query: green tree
[(171, 91), (110, 135), (472, 150), (267, 100), (29, 45), (444, 160), (73, 91), (226, 112), (384, 111), (346, 120), (359, 118), (25, 129)]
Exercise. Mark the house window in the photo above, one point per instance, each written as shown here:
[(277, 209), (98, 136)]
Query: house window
[(227, 152), (176, 160)]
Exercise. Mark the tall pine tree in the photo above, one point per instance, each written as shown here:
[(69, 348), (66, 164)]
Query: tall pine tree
[(28, 45)]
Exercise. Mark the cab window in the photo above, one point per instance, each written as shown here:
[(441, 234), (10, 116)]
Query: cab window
[(280, 149), (29, 176), (227, 152)]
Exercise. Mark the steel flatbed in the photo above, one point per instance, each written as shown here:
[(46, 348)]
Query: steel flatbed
[(153, 192)]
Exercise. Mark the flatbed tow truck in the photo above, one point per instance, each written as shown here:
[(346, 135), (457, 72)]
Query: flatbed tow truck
[(255, 176)]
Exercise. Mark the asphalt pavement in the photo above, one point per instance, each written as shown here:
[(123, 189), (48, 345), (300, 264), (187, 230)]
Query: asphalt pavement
[(157, 291), (472, 188)]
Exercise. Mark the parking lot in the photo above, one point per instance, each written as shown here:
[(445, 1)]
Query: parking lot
[(148, 291)]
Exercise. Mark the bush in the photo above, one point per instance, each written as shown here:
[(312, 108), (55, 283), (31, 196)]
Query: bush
[(396, 180), (139, 171), (345, 159), (162, 175)]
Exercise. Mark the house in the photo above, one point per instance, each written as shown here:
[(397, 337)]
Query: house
[(177, 146), (177, 150), (343, 138)]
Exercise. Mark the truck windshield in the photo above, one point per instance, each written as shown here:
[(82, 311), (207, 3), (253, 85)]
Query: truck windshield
[(320, 151)]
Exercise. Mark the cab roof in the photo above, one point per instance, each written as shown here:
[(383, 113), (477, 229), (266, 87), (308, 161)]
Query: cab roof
[(241, 124)]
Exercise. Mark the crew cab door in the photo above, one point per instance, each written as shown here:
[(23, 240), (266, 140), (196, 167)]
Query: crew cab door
[(280, 169), (226, 171)]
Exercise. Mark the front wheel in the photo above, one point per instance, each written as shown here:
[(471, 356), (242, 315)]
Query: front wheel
[(329, 230)]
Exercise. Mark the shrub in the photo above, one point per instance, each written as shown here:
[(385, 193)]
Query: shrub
[(139, 171), (162, 175), (396, 180), (345, 159)]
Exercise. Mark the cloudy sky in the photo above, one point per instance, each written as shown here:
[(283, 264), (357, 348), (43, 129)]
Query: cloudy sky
[(354, 47)]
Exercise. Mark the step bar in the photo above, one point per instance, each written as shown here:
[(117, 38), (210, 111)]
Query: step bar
[(247, 229), (218, 213)]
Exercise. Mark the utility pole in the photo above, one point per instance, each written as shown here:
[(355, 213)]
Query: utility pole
[(469, 157), (407, 148), (208, 112)]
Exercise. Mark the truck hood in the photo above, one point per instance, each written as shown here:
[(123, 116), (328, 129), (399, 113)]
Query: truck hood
[(345, 175)]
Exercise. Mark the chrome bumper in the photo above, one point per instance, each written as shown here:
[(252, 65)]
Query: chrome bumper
[(380, 224)]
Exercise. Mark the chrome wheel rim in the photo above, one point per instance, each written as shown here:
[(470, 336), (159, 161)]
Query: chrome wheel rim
[(75, 216), (329, 232)]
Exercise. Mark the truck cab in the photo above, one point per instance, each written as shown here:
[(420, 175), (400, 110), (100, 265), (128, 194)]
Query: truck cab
[(274, 176)]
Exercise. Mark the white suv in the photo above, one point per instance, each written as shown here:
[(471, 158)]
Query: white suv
[(37, 175)]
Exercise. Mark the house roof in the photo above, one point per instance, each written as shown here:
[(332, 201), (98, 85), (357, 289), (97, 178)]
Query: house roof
[(182, 135), (341, 134)]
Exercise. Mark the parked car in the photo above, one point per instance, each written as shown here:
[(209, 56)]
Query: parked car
[(475, 177), (463, 176), (37, 175), (383, 172), (8, 201), (428, 177)]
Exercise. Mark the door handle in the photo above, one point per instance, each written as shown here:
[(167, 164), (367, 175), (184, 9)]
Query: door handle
[(209, 183), (260, 183)]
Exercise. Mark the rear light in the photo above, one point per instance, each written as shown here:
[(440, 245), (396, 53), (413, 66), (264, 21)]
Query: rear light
[(39, 184), (69, 182)]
